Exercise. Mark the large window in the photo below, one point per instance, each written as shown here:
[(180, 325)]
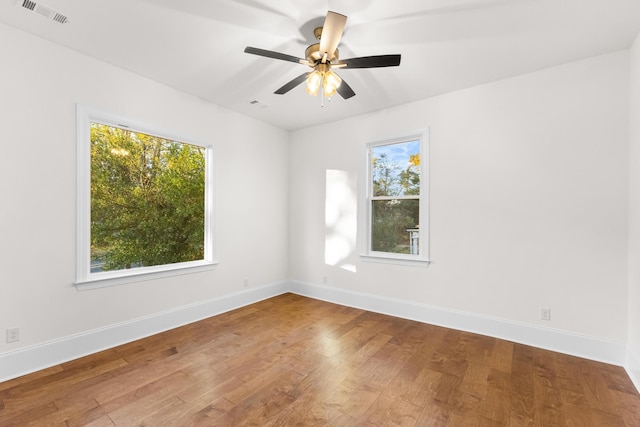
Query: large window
[(396, 205), (144, 201)]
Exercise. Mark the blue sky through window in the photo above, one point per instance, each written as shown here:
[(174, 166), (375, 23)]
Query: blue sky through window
[(398, 153), (393, 172)]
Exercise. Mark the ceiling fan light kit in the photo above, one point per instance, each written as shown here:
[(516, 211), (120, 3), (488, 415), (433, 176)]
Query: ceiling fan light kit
[(324, 56), (323, 76)]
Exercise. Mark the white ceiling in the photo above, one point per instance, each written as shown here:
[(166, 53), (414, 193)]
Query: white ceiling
[(197, 45)]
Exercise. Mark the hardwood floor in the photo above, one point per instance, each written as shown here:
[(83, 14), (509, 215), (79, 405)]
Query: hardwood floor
[(294, 361)]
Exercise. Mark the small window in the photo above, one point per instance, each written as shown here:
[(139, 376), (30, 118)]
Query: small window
[(144, 201), (396, 204)]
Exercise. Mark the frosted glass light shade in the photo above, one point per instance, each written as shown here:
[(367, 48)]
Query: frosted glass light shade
[(331, 83), (314, 80)]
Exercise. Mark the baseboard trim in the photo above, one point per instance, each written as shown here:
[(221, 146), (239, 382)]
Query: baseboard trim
[(547, 338), (41, 356), (632, 366)]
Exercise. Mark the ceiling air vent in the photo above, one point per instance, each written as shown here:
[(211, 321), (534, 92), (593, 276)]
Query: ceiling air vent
[(258, 103), (42, 10)]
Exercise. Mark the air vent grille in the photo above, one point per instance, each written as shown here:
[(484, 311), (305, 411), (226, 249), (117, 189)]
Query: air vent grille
[(258, 103), (29, 4), (42, 10), (60, 18)]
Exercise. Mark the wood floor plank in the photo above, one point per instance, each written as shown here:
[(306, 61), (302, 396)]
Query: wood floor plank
[(103, 421), (295, 361), (435, 414)]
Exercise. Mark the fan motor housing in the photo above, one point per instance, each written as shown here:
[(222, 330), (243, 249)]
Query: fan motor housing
[(314, 55)]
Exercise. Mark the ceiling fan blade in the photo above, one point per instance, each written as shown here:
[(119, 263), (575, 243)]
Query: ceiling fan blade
[(371, 61), (331, 34), (274, 55), (293, 83), (345, 90)]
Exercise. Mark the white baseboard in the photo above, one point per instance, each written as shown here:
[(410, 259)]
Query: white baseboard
[(551, 339), (632, 366), (40, 356), (30, 359)]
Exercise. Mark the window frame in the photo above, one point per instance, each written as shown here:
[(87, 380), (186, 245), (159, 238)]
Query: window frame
[(366, 217), (85, 279)]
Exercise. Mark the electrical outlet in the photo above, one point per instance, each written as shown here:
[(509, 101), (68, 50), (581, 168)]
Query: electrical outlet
[(13, 335), (545, 313), (246, 282)]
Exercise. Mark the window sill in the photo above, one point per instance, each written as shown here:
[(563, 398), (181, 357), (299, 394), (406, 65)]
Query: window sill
[(386, 259), (105, 280)]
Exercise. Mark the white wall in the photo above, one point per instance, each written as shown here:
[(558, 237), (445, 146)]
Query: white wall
[(40, 84), (633, 356), (528, 200)]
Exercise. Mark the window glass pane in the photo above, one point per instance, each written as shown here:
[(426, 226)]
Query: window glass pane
[(147, 200), (395, 226), (396, 169)]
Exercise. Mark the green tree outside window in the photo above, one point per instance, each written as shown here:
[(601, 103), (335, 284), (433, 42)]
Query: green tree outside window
[(147, 200), (395, 198)]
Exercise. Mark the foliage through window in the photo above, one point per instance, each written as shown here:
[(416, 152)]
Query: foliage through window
[(148, 202), (397, 199)]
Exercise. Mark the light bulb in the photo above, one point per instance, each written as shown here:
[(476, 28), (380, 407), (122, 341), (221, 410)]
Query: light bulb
[(331, 83), (314, 79)]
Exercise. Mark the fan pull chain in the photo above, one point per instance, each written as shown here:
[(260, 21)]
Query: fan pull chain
[(322, 99)]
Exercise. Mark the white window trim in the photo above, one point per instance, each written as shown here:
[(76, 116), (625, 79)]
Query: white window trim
[(368, 255), (84, 278)]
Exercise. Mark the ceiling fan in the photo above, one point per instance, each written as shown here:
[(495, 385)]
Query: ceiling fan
[(322, 57)]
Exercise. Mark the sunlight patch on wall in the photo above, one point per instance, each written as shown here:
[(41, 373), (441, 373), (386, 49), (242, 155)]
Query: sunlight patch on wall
[(340, 220)]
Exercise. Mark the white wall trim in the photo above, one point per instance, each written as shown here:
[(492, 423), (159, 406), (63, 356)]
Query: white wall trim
[(632, 366), (551, 339), (40, 356), (30, 359)]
